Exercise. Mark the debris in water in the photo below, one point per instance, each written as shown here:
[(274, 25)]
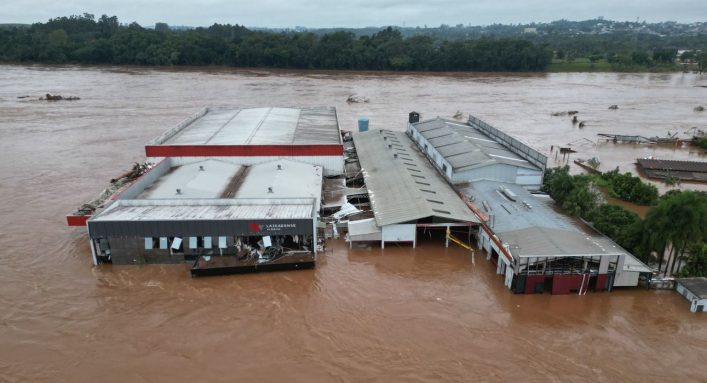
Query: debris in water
[(574, 119), (614, 107), (699, 108), (115, 184), (22, 96), (356, 99), (581, 124), (569, 112), (458, 115), (57, 97)]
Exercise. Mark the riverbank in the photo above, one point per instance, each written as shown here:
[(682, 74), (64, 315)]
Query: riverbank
[(586, 65)]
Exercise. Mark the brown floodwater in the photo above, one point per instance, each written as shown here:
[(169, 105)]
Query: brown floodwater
[(423, 315)]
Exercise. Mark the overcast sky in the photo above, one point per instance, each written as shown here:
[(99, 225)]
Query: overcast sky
[(354, 13)]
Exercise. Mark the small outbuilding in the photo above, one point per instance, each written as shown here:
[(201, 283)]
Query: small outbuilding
[(695, 291)]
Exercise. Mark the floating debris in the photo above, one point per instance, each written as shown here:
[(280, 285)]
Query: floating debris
[(569, 112), (574, 119), (22, 96), (356, 99), (614, 107), (699, 108), (458, 115), (137, 170), (582, 124), (57, 97)]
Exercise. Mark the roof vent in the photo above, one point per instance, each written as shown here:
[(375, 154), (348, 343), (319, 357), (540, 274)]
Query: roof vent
[(380, 131), (395, 155), (269, 189), (201, 168), (179, 191), (390, 146), (385, 138), (279, 167)]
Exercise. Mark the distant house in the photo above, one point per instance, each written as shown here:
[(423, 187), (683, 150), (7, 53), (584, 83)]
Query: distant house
[(533, 31), (695, 291)]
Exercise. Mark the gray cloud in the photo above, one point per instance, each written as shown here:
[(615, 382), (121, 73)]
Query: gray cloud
[(354, 13)]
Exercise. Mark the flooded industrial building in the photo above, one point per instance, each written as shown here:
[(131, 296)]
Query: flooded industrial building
[(426, 313)]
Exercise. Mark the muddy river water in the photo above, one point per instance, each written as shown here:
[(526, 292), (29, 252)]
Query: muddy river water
[(423, 315)]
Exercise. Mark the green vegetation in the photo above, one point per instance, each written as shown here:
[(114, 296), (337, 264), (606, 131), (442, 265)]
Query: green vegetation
[(702, 142), (677, 225), (675, 229), (83, 39), (581, 64), (629, 188), (559, 46)]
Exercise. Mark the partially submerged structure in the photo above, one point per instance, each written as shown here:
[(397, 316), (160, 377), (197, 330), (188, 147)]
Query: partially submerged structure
[(695, 291), (540, 250), (535, 248), (232, 190), (405, 191), (693, 171), (474, 151), (252, 217), (251, 136)]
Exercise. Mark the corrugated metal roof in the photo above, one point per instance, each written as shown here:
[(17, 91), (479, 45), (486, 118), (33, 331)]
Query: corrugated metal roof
[(406, 188), (696, 285), (687, 166), (465, 147), (256, 126), (209, 209), (531, 226)]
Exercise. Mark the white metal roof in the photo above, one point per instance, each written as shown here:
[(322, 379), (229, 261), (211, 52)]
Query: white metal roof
[(282, 179), (203, 179), (466, 147), (406, 188), (209, 209), (256, 126)]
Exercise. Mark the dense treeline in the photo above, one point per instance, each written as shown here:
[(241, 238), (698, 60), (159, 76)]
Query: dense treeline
[(673, 234), (623, 45), (83, 39)]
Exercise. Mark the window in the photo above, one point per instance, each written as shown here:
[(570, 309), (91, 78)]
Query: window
[(207, 242), (149, 243), (221, 242), (163, 242), (193, 242)]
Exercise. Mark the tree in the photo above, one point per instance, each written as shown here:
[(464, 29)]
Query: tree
[(678, 221), (162, 27)]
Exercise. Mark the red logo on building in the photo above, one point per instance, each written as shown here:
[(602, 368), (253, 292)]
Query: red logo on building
[(254, 227)]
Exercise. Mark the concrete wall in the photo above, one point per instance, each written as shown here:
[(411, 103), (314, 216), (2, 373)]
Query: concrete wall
[(399, 233), (692, 298), (626, 278)]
